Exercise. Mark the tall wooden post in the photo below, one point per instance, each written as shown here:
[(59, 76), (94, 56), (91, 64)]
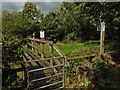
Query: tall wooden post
[(102, 38), (51, 51)]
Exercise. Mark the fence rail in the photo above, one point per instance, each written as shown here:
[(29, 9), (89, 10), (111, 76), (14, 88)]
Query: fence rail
[(48, 85), (47, 59), (59, 74), (45, 68)]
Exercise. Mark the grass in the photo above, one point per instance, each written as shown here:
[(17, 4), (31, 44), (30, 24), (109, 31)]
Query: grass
[(79, 49), (76, 49), (67, 48)]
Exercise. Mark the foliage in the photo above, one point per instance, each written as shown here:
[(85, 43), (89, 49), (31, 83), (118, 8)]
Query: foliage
[(11, 42), (105, 75), (11, 80), (16, 28), (97, 64), (49, 25), (84, 84), (99, 74), (85, 70), (104, 12), (76, 20), (31, 18)]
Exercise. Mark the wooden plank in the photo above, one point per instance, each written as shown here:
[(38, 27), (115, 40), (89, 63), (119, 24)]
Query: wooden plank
[(33, 58), (79, 57), (40, 63), (46, 62), (40, 50), (43, 63), (38, 57), (41, 41), (49, 54), (31, 55), (48, 85), (29, 59)]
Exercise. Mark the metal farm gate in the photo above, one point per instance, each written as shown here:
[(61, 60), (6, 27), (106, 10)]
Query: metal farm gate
[(44, 65)]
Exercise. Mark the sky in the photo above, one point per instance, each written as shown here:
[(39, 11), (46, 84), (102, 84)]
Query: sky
[(45, 7)]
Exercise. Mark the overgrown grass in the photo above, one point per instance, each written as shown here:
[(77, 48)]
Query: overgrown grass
[(67, 48), (79, 49)]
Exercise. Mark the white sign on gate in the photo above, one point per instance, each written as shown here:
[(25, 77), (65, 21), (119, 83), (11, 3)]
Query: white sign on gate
[(42, 34)]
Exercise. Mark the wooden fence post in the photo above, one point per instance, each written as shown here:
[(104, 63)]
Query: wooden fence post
[(102, 38), (64, 70), (51, 51)]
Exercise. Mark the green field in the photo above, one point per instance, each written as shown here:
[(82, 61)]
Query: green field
[(79, 49), (76, 49)]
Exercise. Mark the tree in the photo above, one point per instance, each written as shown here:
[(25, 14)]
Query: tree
[(77, 24), (16, 27), (105, 11), (30, 19), (11, 42)]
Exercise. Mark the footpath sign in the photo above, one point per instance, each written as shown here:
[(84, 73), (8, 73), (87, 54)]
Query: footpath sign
[(99, 28)]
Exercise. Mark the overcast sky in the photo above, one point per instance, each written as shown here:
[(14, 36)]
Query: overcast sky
[(45, 7)]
